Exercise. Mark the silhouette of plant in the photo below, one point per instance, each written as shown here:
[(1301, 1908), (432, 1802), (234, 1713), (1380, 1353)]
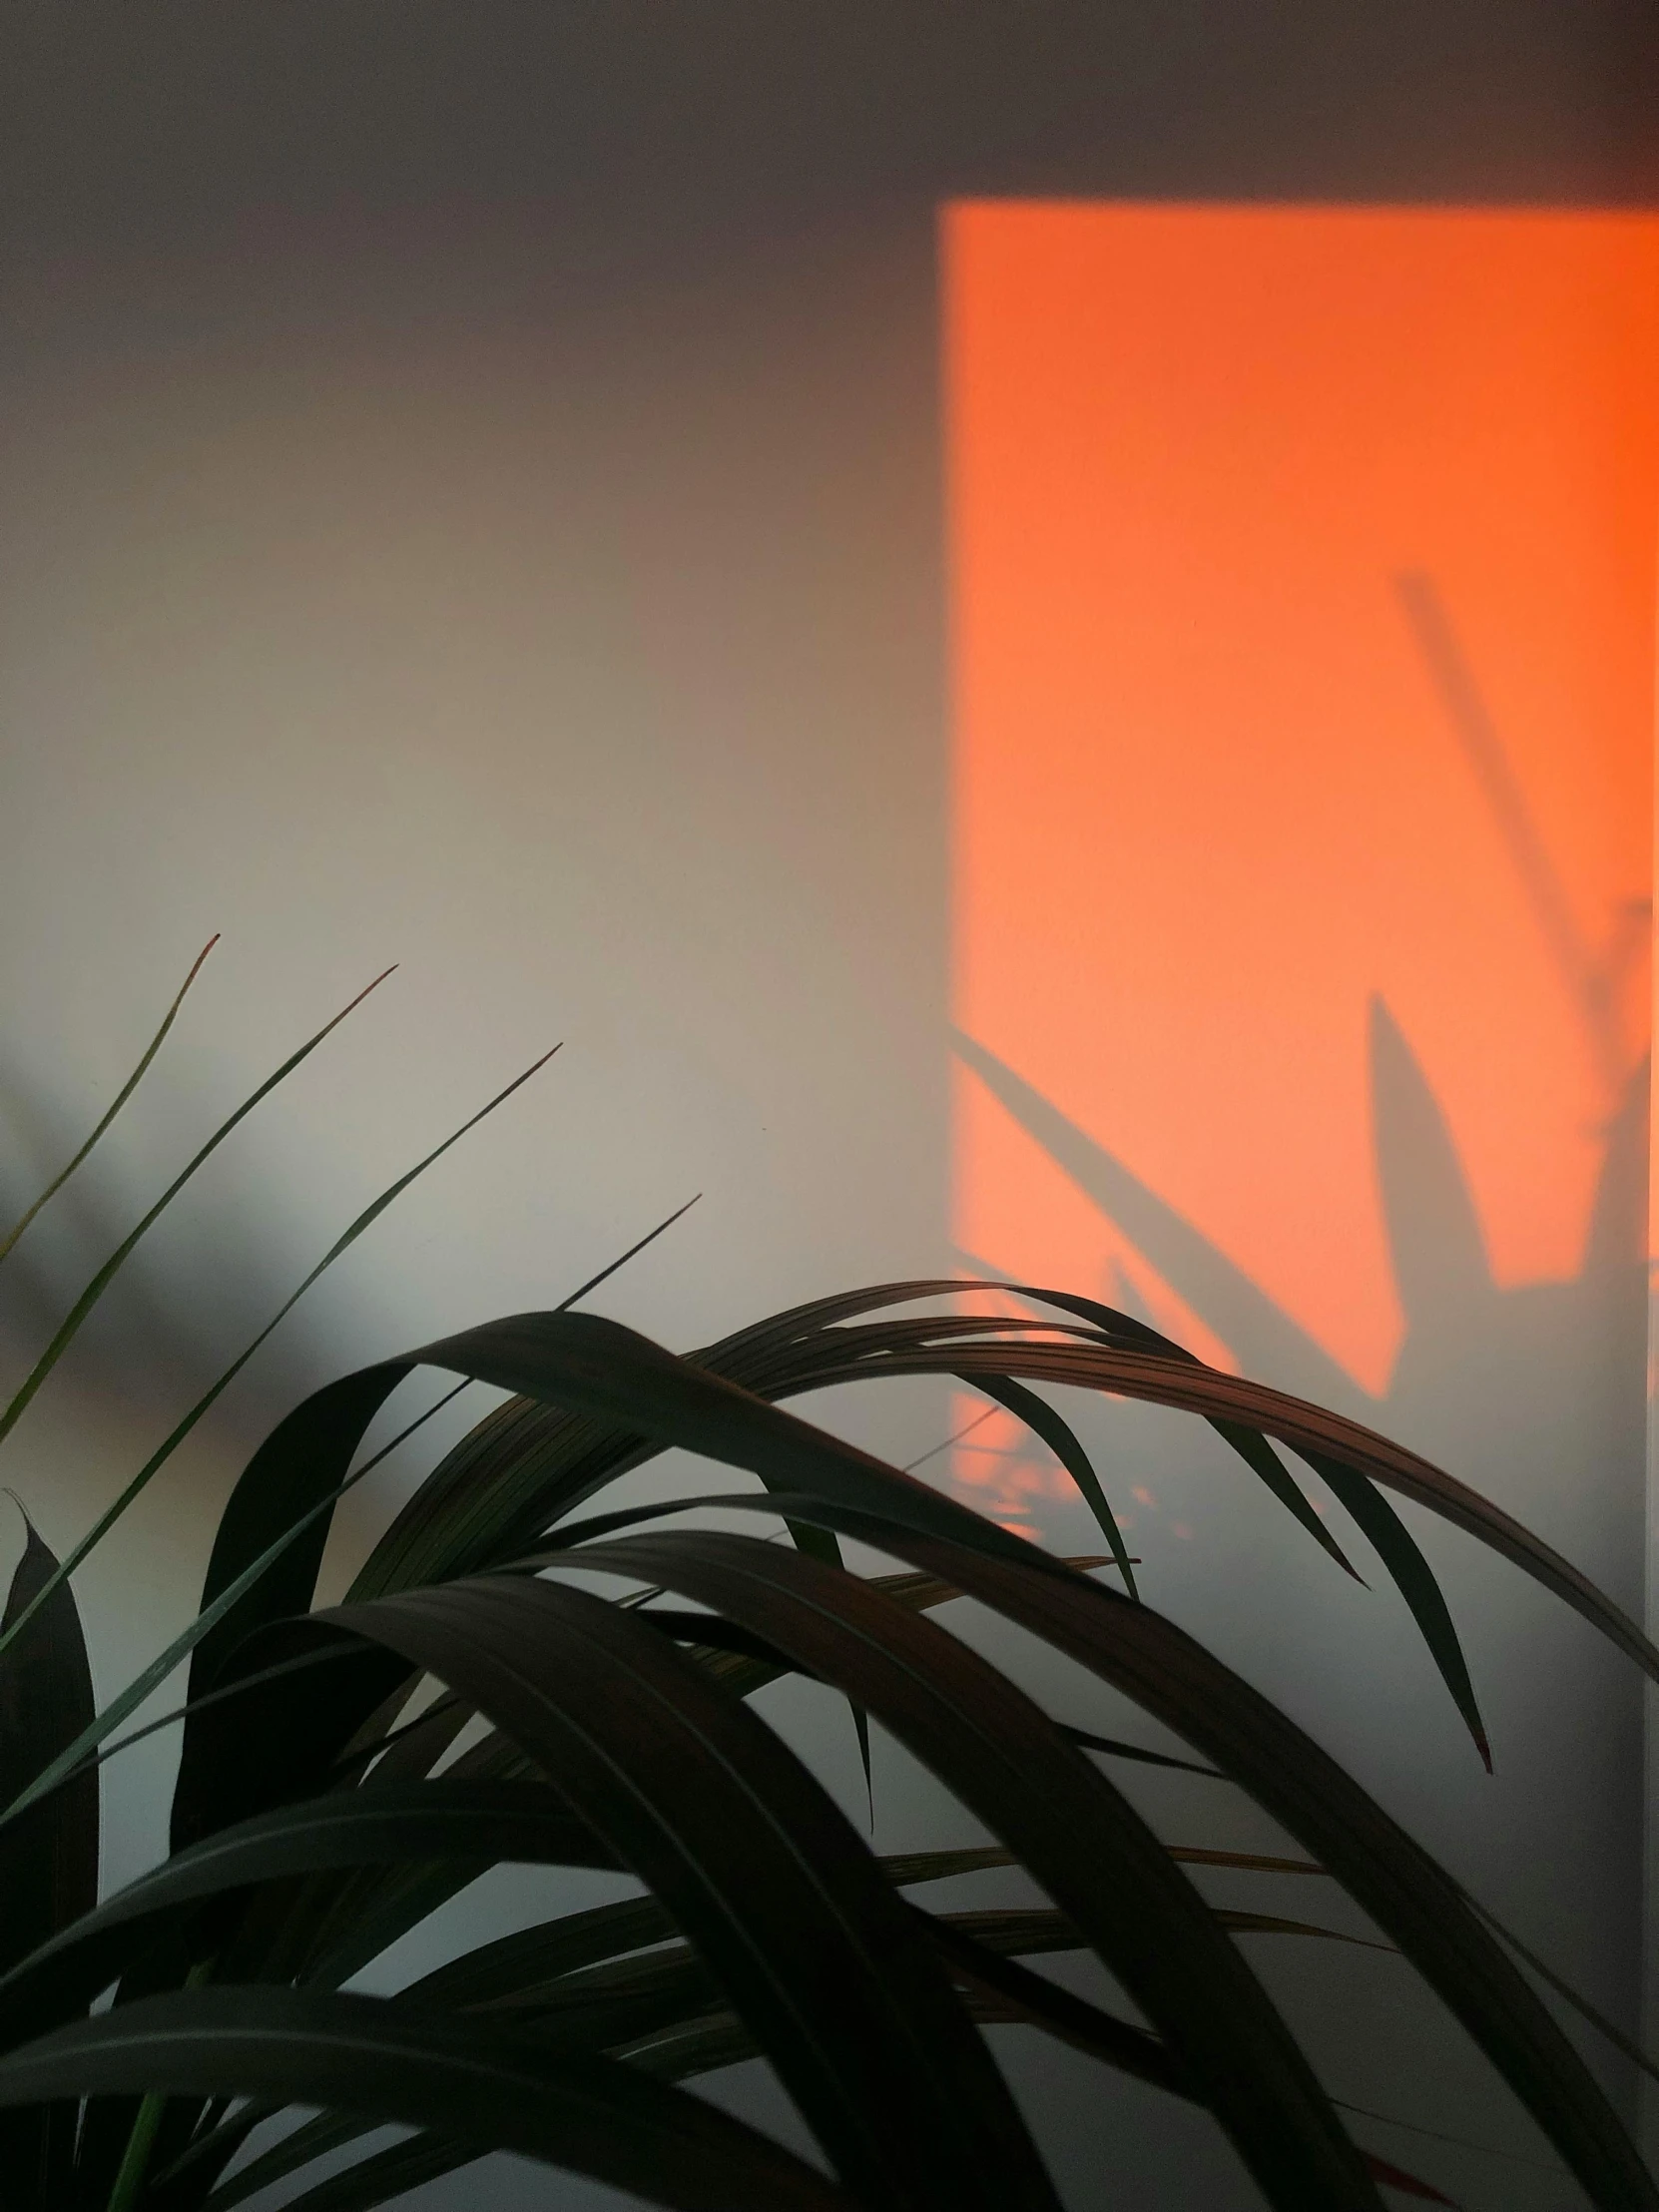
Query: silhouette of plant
[(346, 1770)]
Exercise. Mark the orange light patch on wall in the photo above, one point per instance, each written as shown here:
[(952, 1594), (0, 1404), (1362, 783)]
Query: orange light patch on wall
[(1303, 652)]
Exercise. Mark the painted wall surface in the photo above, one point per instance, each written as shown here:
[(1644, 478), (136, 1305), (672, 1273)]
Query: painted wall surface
[(1303, 656), (1303, 643), (477, 497)]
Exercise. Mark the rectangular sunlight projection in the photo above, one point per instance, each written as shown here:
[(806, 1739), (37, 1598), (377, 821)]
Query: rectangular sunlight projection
[(1303, 654)]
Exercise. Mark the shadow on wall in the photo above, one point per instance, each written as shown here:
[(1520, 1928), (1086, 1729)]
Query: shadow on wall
[(181, 1306), (1534, 1393)]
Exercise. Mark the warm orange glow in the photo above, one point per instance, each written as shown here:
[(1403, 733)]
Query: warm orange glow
[(1304, 578)]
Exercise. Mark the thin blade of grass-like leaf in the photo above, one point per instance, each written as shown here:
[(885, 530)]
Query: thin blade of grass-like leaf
[(121, 1097), (757, 1865), (69, 1325), (721, 2040), (1458, 2142), (1070, 1828), (599, 1367), (265, 1555), (1045, 2005), (1042, 1419), (212, 2152), (416, 1822), (1023, 1930), (1205, 1391), (1415, 1579), (268, 1490), (242, 1687), (1241, 1411), (1394, 1881), (1274, 1924), (1252, 1447), (1621, 2042), (419, 2069), (634, 1249), (375, 2180), (128, 1699), (1116, 1328), (1263, 1462), (373, 1909), (744, 1676), (186, 2179), (448, 1528), (341, 1244), (1114, 1749), (559, 1947), (410, 1751)]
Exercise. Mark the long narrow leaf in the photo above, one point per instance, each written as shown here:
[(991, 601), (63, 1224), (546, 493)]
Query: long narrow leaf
[(121, 1097), (49, 1862), (521, 1821), (373, 2180), (170, 1443), (421, 2069), (70, 1326), (1388, 1875), (1069, 1827), (127, 1701), (756, 1865), (1395, 1545), (1041, 1418)]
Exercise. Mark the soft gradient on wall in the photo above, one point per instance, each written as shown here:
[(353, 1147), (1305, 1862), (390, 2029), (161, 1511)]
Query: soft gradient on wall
[(469, 494), (1303, 660), (1304, 654)]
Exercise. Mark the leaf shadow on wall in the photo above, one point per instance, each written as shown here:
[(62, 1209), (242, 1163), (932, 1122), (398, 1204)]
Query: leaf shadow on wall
[(1534, 1392), (184, 1305)]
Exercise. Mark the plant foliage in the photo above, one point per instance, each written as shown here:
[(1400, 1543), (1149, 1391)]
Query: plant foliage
[(526, 1671)]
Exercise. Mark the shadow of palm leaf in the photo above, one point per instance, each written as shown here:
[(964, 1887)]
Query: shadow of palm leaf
[(1531, 1389)]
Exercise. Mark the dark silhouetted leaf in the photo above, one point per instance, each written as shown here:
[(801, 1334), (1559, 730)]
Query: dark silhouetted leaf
[(396, 2063), (758, 1869), (49, 1858)]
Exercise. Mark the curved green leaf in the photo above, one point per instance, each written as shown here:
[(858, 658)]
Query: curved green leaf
[(70, 1326), (1389, 1876), (49, 1859), (755, 1864), (1043, 1421), (1068, 1824), (418, 1822), (121, 1097), (221, 1383), (396, 2063)]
